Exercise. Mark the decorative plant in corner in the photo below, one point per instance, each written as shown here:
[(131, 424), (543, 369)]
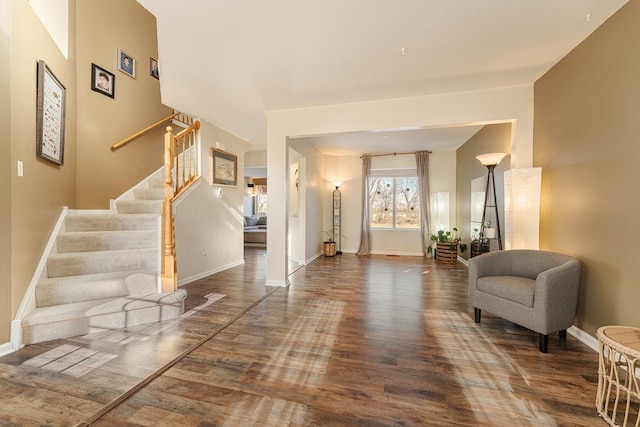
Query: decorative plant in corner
[(479, 240), (446, 237), (328, 236)]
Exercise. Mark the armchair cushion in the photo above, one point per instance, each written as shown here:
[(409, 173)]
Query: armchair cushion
[(512, 288)]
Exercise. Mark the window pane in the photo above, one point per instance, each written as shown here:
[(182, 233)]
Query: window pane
[(407, 203), (381, 202)]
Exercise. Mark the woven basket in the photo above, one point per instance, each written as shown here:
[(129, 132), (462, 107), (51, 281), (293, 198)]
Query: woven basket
[(329, 248), (447, 252)]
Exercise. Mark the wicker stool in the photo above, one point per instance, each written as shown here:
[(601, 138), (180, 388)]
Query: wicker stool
[(618, 390)]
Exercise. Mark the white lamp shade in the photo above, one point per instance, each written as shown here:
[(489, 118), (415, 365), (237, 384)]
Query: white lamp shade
[(522, 207), (491, 159)]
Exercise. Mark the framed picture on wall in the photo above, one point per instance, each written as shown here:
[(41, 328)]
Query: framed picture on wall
[(50, 115), (224, 168), (153, 68), (126, 64), (103, 81)]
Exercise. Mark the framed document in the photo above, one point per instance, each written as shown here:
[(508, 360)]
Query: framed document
[(224, 167), (50, 116)]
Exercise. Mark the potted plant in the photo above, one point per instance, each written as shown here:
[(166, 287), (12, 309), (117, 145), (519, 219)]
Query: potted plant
[(329, 244), (446, 245), (479, 243)]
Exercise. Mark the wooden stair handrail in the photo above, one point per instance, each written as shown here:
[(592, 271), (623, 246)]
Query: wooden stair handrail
[(181, 170), (142, 132)]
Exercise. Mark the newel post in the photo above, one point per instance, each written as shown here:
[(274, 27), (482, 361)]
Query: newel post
[(169, 273)]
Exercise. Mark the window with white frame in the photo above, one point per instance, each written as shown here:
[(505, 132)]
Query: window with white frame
[(394, 202)]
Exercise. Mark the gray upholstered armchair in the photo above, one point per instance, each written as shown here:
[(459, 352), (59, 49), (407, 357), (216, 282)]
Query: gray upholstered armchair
[(534, 289)]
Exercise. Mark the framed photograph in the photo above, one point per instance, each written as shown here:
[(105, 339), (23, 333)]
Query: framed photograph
[(50, 116), (126, 64), (103, 81), (153, 68), (224, 167)]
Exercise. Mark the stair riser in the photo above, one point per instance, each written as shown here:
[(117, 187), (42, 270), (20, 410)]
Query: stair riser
[(99, 262), (149, 193), (139, 206), (106, 241), (61, 292), (155, 182), (69, 328), (111, 222)]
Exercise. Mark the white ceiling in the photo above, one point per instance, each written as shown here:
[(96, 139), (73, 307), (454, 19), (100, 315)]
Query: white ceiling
[(229, 62)]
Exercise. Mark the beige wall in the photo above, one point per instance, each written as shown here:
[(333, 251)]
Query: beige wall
[(38, 197), (103, 29), (91, 174), (5, 178), (586, 141), (490, 139)]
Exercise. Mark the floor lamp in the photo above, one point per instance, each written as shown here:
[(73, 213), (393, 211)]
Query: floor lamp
[(490, 161), (337, 232)]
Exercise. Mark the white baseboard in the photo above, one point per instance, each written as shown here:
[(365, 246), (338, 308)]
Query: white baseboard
[(584, 338), (314, 257), (186, 280), (6, 348), (28, 302), (396, 253), (463, 261), (278, 283)]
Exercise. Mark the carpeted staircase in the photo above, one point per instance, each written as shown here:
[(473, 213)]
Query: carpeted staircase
[(104, 272)]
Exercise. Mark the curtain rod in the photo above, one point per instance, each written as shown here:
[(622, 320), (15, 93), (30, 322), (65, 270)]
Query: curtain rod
[(392, 154)]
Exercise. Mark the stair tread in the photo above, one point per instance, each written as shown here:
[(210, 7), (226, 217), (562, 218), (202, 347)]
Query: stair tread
[(86, 309)]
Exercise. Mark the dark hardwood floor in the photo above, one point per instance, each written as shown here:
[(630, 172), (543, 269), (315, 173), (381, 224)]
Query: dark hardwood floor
[(370, 341)]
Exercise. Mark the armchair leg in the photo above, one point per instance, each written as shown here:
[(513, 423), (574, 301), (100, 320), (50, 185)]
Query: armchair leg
[(543, 342), (563, 334), (476, 314)]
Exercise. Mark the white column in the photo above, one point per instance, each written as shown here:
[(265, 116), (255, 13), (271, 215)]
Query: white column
[(277, 223)]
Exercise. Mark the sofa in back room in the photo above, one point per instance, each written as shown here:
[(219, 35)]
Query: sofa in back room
[(255, 230)]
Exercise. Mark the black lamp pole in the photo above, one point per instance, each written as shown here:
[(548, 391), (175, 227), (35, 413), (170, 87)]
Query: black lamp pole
[(491, 181)]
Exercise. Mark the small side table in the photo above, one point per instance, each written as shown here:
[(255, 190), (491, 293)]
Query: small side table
[(618, 391)]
